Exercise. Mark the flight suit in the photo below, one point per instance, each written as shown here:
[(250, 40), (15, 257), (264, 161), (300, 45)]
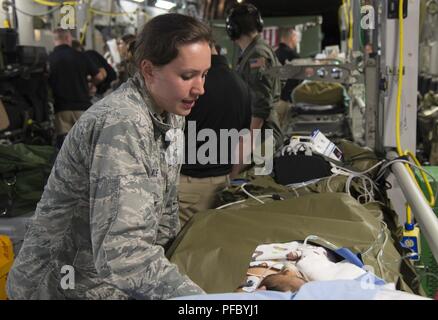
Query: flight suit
[(255, 59)]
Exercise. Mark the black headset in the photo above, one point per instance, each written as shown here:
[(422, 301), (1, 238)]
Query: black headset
[(234, 30)]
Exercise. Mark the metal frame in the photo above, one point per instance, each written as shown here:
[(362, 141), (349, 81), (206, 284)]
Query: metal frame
[(389, 73), (404, 190), (381, 81), (328, 72), (424, 214)]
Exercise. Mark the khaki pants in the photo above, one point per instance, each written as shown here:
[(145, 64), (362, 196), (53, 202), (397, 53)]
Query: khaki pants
[(4, 118), (198, 194), (64, 121), (282, 108)]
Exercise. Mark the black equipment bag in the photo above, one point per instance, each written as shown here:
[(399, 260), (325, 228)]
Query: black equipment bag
[(298, 168)]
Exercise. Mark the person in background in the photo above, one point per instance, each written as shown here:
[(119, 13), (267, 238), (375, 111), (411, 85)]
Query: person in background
[(226, 104), (286, 52), (97, 92), (125, 68), (108, 57), (244, 25), (68, 72)]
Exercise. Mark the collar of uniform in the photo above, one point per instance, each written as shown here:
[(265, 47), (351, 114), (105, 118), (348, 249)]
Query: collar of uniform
[(162, 123), (253, 43)]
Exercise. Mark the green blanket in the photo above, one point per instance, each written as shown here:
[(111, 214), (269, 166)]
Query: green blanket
[(215, 247)]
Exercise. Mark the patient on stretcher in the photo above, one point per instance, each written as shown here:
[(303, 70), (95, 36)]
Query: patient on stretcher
[(297, 271), (287, 266)]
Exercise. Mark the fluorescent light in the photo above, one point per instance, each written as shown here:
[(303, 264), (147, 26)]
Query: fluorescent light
[(37, 35), (138, 0), (166, 5)]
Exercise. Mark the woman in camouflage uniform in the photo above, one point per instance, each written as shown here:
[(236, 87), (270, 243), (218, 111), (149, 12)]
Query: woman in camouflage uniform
[(110, 203)]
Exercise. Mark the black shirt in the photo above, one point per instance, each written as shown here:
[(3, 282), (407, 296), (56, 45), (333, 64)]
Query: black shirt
[(100, 62), (68, 78), (284, 52), (226, 104)]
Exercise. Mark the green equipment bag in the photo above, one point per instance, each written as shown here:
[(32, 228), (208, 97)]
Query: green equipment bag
[(319, 93), (24, 170)]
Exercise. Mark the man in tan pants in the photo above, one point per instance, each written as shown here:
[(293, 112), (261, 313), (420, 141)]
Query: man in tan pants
[(226, 104), (199, 194), (69, 74)]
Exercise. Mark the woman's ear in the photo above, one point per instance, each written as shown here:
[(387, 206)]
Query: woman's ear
[(146, 69)]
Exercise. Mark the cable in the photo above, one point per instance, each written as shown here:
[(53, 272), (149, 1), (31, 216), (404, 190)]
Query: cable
[(400, 151), (35, 14), (329, 180), (111, 14), (230, 204), (428, 186), (54, 4), (368, 194), (379, 256), (328, 244), (366, 181), (241, 201), (421, 169), (344, 11), (409, 255), (422, 274), (350, 32), (299, 147), (249, 194), (389, 163), (295, 186), (348, 17), (91, 9), (374, 243), (360, 172), (296, 192), (83, 31), (363, 156), (381, 173)]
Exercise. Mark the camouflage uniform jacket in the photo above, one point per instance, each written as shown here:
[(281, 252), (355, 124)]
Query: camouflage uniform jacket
[(109, 207), (256, 58)]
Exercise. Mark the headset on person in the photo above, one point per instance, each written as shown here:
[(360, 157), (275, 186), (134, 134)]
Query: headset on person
[(233, 27)]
